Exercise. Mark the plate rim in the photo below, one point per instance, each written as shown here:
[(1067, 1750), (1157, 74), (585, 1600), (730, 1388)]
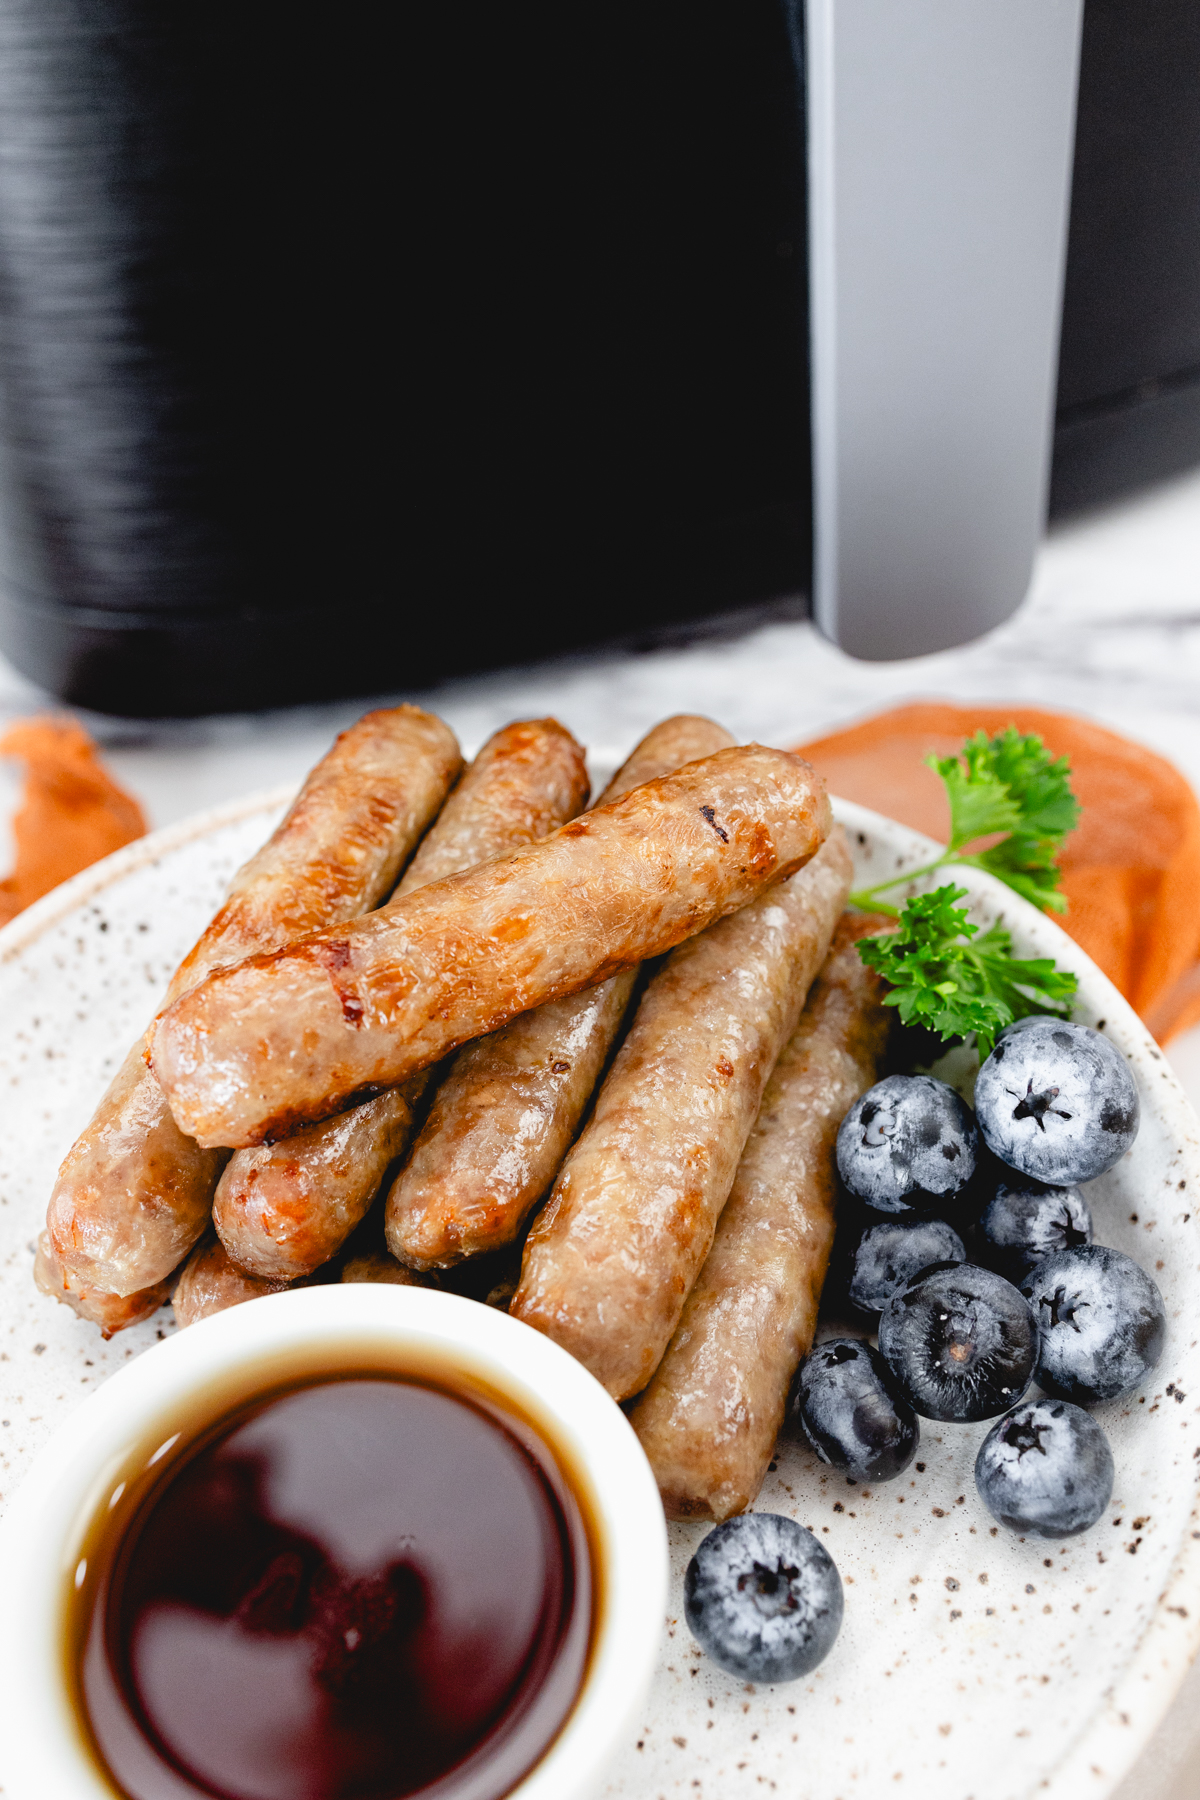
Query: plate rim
[(1128, 1714)]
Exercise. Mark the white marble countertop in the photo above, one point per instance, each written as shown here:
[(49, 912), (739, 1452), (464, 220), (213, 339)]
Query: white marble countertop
[(1111, 629)]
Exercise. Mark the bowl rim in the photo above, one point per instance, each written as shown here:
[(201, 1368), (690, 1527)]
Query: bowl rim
[(78, 1470)]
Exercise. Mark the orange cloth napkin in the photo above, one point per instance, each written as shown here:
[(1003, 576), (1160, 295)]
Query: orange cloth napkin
[(1131, 869), (71, 814)]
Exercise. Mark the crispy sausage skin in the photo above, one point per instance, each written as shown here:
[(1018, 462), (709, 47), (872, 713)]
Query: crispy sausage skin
[(709, 1418), (344, 841), (290, 1037), (210, 1283), (377, 1265), (509, 1109), (284, 1208), (527, 779), (111, 1312), (133, 1195), (611, 1260)]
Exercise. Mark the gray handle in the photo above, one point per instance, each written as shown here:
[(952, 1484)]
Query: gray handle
[(940, 139)]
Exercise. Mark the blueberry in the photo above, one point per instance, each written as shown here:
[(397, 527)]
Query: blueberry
[(763, 1598), (852, 1412), (1102, 1323), (1046, 1469), (890, 1254), (1025, 1221), (908, 1144), (1056, 1101), (961, 1341)]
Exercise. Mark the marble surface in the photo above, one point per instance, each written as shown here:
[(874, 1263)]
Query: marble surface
[(1110, 629)]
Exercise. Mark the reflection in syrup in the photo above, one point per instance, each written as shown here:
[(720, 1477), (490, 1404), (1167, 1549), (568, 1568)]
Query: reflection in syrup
[(353, 1591)]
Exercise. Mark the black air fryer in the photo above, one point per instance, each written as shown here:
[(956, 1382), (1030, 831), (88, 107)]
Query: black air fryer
[(339, 353), (1129, 367)]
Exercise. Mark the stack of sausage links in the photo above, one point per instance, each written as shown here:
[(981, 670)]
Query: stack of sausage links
[(334, 1070)]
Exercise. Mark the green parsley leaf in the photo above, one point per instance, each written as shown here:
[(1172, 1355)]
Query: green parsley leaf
[(1010, 783), (1027, 867), (948, 977), (980, 802), (1032, 985), (1039, 782)]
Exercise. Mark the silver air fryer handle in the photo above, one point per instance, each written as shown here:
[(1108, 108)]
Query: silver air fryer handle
[(940, 138)]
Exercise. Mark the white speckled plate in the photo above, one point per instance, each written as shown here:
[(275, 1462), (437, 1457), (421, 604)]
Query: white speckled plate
[(971, 1666)]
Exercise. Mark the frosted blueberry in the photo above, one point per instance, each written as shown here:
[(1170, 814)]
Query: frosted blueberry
[(1045, 1470), (762, 1596), (1025, 1221), (908, 1144), (888, 1256), (1102, 1323), (851, 1410), (961, 1341), (1056, 1101)]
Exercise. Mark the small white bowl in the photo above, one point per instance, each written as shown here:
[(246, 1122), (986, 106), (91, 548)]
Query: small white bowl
[(83, 1469)]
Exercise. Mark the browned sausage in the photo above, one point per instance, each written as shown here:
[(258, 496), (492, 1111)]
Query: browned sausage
[(283, 1209), (133, 1195), (210, 1283), (377, 1265), (111, 1312), (610, 1262), (528, 778), (506, 1114), (709, 1419), (290, 1037)]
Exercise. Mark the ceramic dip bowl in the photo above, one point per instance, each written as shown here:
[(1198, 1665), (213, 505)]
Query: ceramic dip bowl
[(94, 1467)]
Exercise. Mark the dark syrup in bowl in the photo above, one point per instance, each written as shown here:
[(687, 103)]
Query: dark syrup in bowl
[(357, 1588)]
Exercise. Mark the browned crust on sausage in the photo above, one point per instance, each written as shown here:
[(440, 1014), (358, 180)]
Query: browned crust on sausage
[(667, 746), (709, 1419), (528, 778), (344, 840), (134, 1192), (499, 1127), (508, 1111), (111, 1312), (210, 1283), (290, 1037), (283, 1209), (377, 1265), (611, 1260)]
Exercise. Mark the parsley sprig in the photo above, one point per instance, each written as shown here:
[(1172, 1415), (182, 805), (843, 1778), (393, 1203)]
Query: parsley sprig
[(953, 979), (945, 974), (1008, 783)]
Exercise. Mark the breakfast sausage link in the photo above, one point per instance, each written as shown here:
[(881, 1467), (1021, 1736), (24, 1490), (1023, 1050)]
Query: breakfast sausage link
[(709, 1418), (611, 1260), (287, 1038), (507, 1112), (345, 838), (528, 778), (283, 1209), (377, 1265), (134, 1193), (210, 1283), (111, 1312)]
